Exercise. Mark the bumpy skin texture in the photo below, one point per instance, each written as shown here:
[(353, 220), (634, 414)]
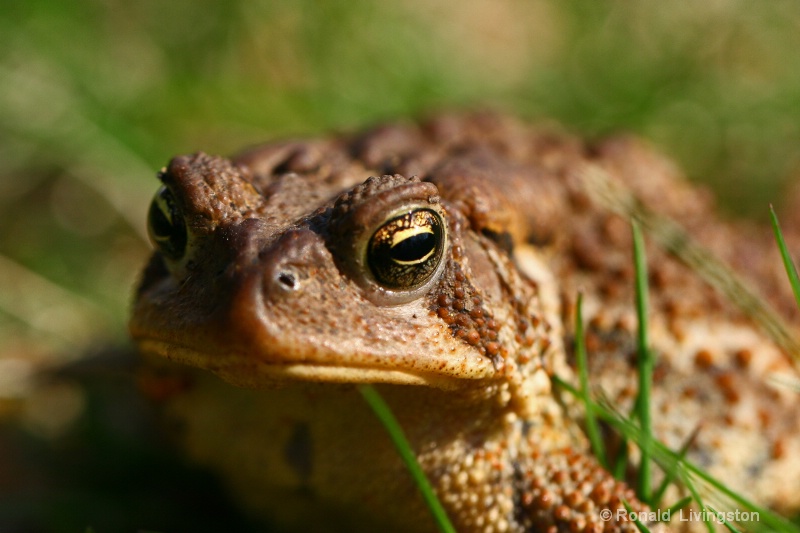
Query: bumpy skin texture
[(275, 293)]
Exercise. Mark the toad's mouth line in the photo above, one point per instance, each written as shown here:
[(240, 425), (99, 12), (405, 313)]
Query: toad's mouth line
[(249, 372)]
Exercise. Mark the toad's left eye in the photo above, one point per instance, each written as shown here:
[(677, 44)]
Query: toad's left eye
[(165, 225), (406, 250)]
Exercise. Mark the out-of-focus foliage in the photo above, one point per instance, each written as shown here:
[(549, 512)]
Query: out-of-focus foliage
[(96, 96)]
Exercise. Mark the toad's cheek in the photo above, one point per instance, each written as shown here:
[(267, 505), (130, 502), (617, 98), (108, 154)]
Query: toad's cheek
[(289, 313)]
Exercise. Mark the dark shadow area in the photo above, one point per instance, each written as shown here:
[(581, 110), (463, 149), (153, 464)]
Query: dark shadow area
[(112, 470)]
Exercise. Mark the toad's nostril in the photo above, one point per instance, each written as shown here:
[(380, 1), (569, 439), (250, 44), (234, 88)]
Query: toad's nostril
[(287, 280), (293, 261)]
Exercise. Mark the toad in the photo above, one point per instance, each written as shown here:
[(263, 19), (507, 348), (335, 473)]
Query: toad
[(441, 261)]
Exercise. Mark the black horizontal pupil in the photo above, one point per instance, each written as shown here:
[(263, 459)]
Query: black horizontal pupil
[(414, 248)]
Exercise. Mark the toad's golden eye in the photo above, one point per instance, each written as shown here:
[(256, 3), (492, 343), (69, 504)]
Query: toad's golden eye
[(165, 225), (405, 251)]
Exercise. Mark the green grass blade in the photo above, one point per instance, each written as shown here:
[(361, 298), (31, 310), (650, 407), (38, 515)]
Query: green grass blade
[(645, 361), (680, 504), (767, 520), (641, 527), (592, 427), (696, 496), (384, 414), (620, 467), (788, 264), (725, 521), (669, 475)]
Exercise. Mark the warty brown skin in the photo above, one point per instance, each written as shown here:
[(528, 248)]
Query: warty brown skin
[(274, 291)]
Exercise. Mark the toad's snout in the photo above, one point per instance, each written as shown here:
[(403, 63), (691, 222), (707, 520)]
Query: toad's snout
[(291, 262)]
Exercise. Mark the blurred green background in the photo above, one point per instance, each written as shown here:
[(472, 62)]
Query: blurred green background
[(96, 96)]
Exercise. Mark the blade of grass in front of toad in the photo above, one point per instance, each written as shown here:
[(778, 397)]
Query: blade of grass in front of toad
[(592, 428), (620, 467), (696, 497), (788, 264), (680, 504), (638, 523), (384, 414), (670, 474), (724, 520), (645, 362)]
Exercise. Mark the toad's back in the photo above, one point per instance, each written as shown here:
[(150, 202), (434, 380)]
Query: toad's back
[(450, 277)]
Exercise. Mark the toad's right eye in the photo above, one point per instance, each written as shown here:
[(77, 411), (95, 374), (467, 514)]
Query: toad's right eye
[(405, 252), (166, 226)]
